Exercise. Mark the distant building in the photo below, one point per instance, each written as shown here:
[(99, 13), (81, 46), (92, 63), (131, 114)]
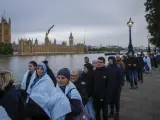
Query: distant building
[(5, 30), (31, 47)]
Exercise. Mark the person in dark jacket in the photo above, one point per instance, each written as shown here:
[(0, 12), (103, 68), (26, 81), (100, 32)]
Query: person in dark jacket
[(83, 82), (80, 83), (99, 90), (121, 64), (115, 81), (8, 97), (132, 67), (155, 61), (140, 66), (50, 73), (27, 78), (86, 60)]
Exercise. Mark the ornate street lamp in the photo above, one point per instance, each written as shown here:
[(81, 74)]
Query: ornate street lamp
[(130, 46), (149, 49)]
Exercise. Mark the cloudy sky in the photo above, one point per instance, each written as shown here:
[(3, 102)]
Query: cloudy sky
[(104, 20)]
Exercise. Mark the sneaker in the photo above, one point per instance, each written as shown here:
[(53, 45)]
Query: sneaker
[(136, 87)]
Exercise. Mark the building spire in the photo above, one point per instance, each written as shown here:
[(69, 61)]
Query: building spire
[(85, 37), (9, 20), (71, 36), (3, 15)]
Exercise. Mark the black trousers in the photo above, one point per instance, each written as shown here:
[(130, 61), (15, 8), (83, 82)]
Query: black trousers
[(101, 105), (115, 101), (140, 74), (127, 75)]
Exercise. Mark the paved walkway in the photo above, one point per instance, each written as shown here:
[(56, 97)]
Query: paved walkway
[(142, 103)]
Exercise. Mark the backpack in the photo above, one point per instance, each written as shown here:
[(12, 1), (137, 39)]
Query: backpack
[(83, 114)]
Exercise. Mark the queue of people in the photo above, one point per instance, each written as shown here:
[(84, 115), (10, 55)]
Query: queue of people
[(70, 96)]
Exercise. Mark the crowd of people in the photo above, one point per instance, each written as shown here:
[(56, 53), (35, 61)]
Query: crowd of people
[(70, 95)]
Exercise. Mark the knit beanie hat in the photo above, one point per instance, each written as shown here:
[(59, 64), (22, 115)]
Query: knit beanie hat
[(65, 72)]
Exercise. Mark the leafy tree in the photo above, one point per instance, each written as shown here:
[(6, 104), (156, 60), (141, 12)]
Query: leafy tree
[(153, 19), (104, 49), (6, 49)]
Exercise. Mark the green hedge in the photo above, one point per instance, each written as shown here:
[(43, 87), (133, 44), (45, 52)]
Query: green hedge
[(6, 49)]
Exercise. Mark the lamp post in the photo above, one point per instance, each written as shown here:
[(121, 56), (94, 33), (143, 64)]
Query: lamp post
[(130, 46), (149, 49)]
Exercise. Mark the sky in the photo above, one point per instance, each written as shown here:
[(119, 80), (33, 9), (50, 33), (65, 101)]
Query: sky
[(105, 21)]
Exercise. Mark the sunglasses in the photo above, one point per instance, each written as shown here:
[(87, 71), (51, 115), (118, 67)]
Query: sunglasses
[(62, 78)]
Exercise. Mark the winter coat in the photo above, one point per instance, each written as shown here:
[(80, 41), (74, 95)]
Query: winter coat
[(140, 63), (115, 78), (99, 83), (81, 85), (10, 101), (131, 61)]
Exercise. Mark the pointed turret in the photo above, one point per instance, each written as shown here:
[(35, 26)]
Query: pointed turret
[(10, 20), (71, 39), (71, 36)]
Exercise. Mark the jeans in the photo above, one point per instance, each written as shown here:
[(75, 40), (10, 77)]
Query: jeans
[(133, 77), (90, 110)]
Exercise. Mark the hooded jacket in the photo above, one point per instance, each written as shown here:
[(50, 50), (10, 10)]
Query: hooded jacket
[(114, 77), (9, 100)]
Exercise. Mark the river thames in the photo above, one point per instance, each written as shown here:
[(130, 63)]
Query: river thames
[(18, 64)]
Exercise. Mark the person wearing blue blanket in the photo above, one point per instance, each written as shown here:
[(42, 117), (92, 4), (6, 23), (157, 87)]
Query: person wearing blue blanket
[(44, 102), (69, 89), (27, 78)]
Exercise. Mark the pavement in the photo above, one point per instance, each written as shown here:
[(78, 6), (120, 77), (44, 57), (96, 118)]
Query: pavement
[(142, 103)]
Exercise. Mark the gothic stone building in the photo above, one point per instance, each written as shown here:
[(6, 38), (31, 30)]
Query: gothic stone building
[(30, 47), (5, 30)]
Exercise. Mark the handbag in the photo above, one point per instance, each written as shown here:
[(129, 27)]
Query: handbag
[(83, 114)]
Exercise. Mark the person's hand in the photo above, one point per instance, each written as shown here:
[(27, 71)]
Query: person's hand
[(129, 64), (134, 65)]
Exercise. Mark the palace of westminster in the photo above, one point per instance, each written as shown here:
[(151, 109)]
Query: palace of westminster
[(31, 47)]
